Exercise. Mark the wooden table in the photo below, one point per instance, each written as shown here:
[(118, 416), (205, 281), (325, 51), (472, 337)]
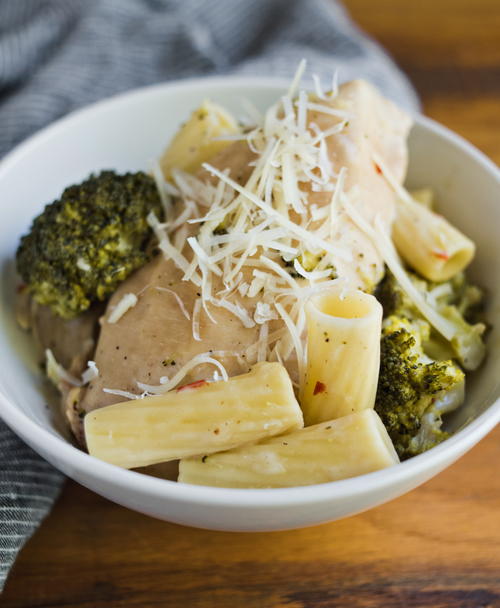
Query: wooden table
[(438, 546)]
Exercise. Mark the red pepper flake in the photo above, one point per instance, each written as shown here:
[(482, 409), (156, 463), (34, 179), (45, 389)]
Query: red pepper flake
[(319, 388), (441, 254), (378, 169), (197, 384)]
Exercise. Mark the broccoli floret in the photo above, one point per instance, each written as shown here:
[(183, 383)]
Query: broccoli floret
[(413, 390), (394, 300), (467, 298), (460, 303), (83, 245)]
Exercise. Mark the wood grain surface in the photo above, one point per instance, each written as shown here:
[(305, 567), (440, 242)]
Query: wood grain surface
[(438, 546)]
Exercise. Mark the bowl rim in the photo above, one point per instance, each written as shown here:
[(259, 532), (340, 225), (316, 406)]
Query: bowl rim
[(82, 464)]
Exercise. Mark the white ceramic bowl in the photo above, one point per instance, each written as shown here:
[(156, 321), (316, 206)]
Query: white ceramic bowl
[(125, 133)]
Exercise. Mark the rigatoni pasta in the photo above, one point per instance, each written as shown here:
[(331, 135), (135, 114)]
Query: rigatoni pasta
[(337, 449), (343, 354), (197, 139), (198, 419), (423, 196), (429, 243)]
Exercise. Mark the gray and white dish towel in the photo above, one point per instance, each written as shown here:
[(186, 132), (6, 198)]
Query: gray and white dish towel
[(58, 55)]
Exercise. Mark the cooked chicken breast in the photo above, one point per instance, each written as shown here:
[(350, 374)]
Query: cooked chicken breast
[(72, 342), (155, 339), (377, 128)]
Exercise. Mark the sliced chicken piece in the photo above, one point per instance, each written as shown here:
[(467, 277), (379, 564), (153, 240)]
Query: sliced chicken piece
[(377, 128), (155, 338), (72, 342)]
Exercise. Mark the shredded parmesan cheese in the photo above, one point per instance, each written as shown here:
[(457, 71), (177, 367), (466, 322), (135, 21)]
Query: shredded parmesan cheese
[(160, 186), (196, 319), (178, 300), (308, 237), (296, 339), (128, 301), (91, 373), (264, 313), (400, 190), (236, 309), (318, 89), (262, 349), (124, 394), (57, 373), (168, 384)]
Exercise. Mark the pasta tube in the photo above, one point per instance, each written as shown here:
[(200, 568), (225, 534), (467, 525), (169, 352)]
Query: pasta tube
[(429, 243), (423, 196), (338, 449), (195, 141), (199, 419), (343, 354)]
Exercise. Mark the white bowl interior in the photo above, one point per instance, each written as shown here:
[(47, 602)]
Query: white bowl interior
[(129, 131)]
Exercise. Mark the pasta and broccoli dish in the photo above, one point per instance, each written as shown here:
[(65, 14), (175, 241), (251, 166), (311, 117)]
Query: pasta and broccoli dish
[(268, 306)]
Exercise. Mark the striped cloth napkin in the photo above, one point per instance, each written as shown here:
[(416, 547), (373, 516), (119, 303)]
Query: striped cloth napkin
[(57, 55)]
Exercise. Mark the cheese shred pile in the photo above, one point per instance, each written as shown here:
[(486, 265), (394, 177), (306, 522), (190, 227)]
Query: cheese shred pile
[(262, 240)]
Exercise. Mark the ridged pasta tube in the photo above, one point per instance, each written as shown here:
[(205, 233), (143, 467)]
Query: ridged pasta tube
[(343, 354), (429, 243), (196, 141), (423, 196), (199, 419), (337, 449)]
